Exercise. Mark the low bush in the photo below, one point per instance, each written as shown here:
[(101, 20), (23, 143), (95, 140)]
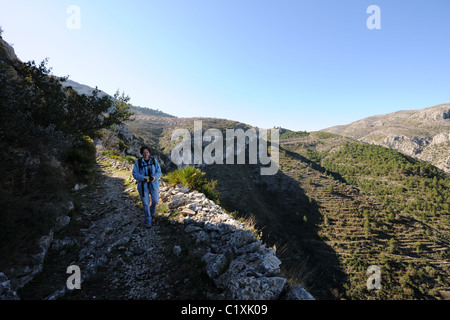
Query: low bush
[(81, 158), (194, 178)]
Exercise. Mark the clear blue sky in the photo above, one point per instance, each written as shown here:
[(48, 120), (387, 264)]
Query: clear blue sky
[(302, 65)]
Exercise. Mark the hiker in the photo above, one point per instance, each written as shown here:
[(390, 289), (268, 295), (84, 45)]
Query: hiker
[(147, 172)]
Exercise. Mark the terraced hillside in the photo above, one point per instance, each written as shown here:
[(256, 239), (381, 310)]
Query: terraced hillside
[(391, 211)]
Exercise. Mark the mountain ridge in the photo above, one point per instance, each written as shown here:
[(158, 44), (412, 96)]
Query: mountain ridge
[(423, 134)]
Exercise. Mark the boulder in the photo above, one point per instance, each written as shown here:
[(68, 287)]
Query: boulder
[(238, 263), (6, 51), (252, 288), (176, 250), (177, 201), (215, 264), (6, 292), (298, 293)]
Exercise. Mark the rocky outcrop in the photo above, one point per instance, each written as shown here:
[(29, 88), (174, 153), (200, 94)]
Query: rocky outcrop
[(6, 292), (6, 51), (236, 260), (423, 134), (31, 264)]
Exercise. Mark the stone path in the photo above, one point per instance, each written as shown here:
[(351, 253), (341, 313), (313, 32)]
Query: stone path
[(194, 250), (119, 258)]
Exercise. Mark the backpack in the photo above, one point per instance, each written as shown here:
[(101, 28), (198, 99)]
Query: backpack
[(152, 162), (140, 164)]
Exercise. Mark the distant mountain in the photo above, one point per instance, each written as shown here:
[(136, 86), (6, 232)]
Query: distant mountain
[(140, 112), (81, 88), (423, 134)]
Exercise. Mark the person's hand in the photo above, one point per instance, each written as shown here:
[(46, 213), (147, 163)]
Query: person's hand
[(147, 179), (152, 179)]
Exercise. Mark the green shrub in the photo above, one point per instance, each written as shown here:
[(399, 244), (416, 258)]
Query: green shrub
[(289, 134), (194, 178), (366, 229), (122, 145), (325, 135), (330, 189), (393, 245), (81, 158), (418, 246), (130, 159)]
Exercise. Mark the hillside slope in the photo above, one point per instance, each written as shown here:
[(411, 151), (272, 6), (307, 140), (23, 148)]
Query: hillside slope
[(188, 254), (45, 151), (63, 205), (337, 206), (334, 208), (377, 207), (423, 134)]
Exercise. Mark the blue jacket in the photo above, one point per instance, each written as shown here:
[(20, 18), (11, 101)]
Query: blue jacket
[(153, 170)]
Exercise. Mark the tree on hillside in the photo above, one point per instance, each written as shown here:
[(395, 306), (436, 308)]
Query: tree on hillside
[(45, 148), (89, 114), (33, 101)]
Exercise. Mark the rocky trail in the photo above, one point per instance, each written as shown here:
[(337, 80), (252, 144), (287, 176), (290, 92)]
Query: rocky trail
[(118, 257), (194, 250)]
